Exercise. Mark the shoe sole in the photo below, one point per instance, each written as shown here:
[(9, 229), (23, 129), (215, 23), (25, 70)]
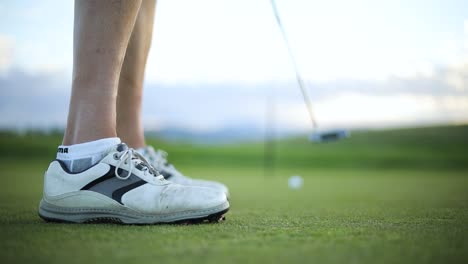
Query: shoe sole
[(52, 213)]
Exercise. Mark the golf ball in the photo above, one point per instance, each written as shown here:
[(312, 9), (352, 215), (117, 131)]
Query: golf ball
[(295, 182)]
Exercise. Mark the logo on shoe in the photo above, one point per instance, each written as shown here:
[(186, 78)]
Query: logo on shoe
[(62, 150)]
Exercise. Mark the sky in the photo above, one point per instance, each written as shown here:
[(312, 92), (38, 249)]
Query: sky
[(366, 63)]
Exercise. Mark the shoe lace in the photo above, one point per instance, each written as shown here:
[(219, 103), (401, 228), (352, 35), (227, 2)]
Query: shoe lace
[(136, 160), (157, 157), (160, 162)]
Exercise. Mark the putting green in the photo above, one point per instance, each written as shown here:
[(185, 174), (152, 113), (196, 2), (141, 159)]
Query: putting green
[(404, 204)]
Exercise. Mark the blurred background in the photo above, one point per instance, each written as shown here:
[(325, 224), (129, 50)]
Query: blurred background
[(213, 64), (219, 82)]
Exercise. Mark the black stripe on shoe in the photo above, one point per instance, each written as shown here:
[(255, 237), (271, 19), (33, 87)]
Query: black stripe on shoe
[(109, 175), (112, 187), (117, 194)]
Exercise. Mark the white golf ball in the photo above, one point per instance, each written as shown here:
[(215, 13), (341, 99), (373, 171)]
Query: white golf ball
[(295, 182)]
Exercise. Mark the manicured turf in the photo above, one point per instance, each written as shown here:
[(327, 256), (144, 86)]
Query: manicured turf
[(379, 197)]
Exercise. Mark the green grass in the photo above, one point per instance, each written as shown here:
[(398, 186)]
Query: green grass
[(380, 197)]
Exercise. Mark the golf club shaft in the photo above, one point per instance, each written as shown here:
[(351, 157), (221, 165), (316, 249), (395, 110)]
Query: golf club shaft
[(300, 81)]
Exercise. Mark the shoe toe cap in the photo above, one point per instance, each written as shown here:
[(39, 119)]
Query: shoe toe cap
[(223, 188), (196, 197), (213, 185), (211, 197)]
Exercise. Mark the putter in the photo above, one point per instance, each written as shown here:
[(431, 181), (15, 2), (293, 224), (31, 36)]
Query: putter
[(317, 135)]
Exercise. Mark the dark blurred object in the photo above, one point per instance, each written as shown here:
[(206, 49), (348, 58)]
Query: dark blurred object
[(329, 135)]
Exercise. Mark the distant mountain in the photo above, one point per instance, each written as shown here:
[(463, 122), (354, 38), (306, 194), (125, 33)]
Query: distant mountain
[(219, 136), (226, 135)]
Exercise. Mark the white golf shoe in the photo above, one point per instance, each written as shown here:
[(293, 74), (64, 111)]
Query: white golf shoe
[(124, 188), (158, 159)]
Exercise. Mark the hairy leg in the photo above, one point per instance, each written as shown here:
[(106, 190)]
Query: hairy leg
[(129, 123), (101, 33)]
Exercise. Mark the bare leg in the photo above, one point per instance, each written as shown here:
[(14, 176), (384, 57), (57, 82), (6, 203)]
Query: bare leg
[(101, 34), (129, 124)]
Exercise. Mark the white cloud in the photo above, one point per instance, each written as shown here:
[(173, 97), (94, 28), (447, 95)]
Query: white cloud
[(208, 107), (363, 110), (457, 73), (207, 41), (6, 53), (373, 69), (457, 77), (465, 27)]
